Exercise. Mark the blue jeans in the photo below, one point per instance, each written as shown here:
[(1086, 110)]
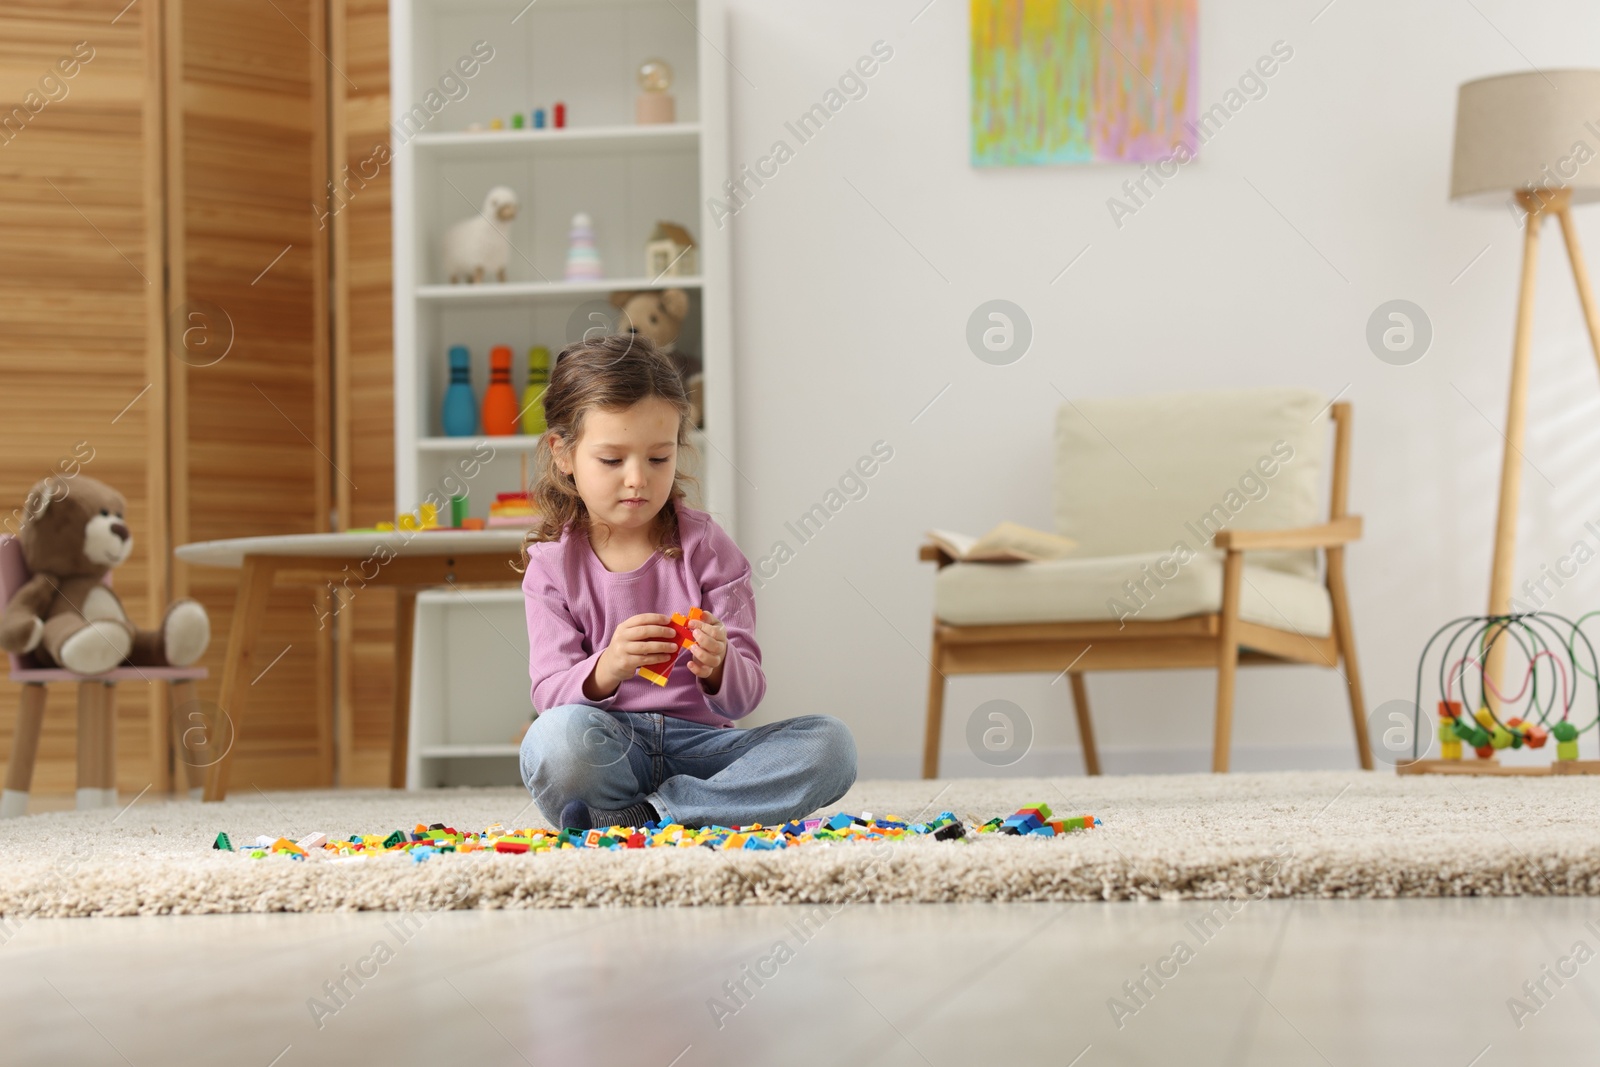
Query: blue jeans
[(693, 774)]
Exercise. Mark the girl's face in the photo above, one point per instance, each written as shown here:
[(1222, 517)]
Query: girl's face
[(624, 462)]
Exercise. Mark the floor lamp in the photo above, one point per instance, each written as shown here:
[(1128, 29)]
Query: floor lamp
[(1534, 137)]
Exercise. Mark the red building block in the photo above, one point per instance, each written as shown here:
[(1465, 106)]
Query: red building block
[(658, 672)]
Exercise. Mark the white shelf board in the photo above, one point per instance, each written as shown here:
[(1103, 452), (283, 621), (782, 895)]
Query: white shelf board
[(525, 9), (569, 140), (471, 594), (520, 292), (467, 751), (511, 442)]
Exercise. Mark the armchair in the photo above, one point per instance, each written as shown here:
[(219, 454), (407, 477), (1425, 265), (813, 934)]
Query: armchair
[(1198, 546)]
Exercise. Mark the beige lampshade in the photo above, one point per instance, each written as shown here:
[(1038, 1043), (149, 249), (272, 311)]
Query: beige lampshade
[(1532, 130)]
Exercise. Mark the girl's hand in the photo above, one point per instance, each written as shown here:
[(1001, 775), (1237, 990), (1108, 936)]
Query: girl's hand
[(636, 642), (710, 648)]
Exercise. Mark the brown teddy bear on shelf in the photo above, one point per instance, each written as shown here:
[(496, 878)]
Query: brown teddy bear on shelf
[(658, 314), (73, 533)]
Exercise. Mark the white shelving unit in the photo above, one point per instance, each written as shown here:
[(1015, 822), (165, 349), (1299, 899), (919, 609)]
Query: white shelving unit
[(470, 687)]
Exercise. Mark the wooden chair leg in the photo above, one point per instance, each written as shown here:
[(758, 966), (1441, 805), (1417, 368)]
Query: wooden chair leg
[(930, 736), (90, 741), (160, 731), (194, 759), (24, 752), (1227, 659), (108, 747), (405, 621), (1344, 631), (1080, 706)]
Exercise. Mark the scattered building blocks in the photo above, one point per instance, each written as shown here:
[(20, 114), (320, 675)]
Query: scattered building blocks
[(433, 841)]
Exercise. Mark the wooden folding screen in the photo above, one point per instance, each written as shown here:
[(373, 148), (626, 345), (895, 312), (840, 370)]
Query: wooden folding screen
[(190, 312), (363, 369), (252, 442), (81, 363)]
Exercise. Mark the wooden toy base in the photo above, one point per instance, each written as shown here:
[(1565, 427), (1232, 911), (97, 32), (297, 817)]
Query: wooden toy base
[(1493, 766)]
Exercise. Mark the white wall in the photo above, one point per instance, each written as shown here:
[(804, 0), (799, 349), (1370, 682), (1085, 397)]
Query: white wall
[(845, 330)]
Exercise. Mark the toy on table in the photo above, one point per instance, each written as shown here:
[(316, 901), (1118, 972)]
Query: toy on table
[(559, 115), (426, 517), (657, 672), (460, 413), (496, 124), (511, 509), (500, 400), (538, 118), (477, 247), (583, 259), (1560, 675), (654, 104), (517, 121), (533, 421)]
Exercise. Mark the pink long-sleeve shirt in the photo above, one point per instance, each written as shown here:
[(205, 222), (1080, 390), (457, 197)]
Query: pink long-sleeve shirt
[(574, 606)]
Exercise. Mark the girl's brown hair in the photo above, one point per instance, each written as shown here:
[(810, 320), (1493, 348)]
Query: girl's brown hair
[(612, 373)]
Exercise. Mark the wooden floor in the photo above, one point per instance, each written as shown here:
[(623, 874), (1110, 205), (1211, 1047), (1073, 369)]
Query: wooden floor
[(1272, 984)]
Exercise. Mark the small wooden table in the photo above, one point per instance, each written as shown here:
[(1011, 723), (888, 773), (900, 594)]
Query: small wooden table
[(406, 561)]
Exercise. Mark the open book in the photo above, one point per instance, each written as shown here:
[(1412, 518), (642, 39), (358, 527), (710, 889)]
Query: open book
[(1006, 543)]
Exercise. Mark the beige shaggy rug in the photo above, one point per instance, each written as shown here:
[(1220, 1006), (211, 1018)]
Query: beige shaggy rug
[(1325, 834)]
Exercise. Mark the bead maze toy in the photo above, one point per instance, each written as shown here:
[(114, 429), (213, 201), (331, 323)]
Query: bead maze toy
[(657, 672), (1559, 695)]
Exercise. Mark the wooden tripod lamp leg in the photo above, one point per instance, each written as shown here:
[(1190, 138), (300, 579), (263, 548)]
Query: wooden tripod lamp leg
[(1580, 275), (1505, 531)]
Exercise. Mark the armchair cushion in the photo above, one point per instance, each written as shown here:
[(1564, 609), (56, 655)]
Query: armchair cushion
[(1140, 474), (1089, 590)]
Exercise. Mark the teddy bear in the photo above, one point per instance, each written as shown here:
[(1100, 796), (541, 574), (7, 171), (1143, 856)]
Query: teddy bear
[(658, 314), (73, 533)]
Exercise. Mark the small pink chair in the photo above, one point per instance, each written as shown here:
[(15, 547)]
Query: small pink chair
[(97, 761)]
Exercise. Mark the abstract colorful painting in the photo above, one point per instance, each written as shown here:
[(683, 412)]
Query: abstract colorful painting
[(1082, 81)]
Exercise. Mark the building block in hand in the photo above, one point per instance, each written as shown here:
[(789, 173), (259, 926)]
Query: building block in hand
[(657, 672)]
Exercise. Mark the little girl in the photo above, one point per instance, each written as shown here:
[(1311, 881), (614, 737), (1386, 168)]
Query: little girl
[(615, 553)]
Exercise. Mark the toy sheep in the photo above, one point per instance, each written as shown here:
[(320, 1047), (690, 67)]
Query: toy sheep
[(476, 248)]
